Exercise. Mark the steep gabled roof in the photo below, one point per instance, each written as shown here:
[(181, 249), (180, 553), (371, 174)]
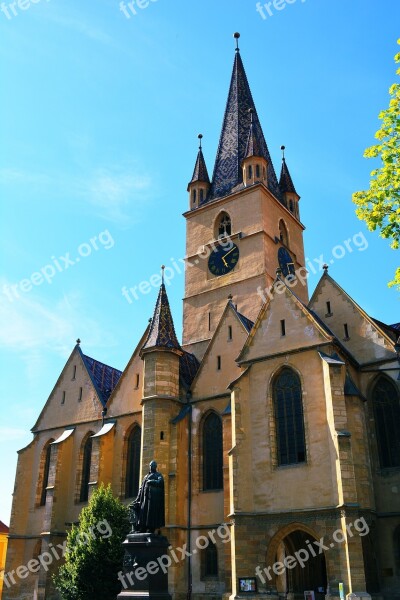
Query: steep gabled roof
[(234, 137), (378, 325), (245, 323), (104, 377), (320, 325), (162, 331), (4, 528)]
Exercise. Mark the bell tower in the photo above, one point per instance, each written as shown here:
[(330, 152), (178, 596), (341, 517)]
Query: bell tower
[(241, 226)]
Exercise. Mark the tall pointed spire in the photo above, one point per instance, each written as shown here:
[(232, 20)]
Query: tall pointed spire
[(200, 172), (234, 137), (162, 334), (285, 182)]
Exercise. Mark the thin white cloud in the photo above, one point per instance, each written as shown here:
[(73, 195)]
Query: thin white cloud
[(113, 193), (31, 327), (11, 434)]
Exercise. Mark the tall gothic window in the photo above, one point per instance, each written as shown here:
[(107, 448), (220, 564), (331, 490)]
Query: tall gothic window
[(46, 470), (133, 463), (386, 405), (224, 225), (86, 460), (212, 453), (289, 418), (209, 562)]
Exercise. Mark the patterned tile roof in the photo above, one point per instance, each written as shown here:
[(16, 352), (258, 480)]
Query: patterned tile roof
[(188, 367), (200, 172), (104, 377), (162, 331), (234, 136), (285, 181)]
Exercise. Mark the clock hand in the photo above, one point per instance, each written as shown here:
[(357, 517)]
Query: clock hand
[(226, 254)]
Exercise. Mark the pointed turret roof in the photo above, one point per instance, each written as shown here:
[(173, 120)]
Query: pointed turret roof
[(162, 331), (285, 182), (234, 137), (253, 146), (200, 172)]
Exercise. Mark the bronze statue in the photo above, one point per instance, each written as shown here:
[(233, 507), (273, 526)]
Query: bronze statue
[(147, 510)]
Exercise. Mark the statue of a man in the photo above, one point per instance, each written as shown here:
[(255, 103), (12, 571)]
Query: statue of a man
[(149, 504)]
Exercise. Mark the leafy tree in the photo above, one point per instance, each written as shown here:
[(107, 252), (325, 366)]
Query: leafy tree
[(94, 552), (379, 206)]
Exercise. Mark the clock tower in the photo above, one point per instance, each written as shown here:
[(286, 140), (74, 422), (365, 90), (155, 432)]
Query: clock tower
[(241, 226)]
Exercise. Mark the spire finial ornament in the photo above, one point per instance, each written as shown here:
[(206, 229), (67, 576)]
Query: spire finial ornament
[(325, 268), (78, 342), (230, 297), (200, 136), (237, 36), (283, 148), (162, 273)]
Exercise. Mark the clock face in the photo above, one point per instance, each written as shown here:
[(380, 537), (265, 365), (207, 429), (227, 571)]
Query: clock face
[(222, 260), (285, 262)]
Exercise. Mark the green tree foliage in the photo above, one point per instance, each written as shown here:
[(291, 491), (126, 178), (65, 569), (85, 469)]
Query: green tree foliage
[(379, 206), (94, 550)]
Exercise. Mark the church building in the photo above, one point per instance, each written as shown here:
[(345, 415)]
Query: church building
[(275, 422)]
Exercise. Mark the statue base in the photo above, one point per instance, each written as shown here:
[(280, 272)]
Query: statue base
[(145, 567)]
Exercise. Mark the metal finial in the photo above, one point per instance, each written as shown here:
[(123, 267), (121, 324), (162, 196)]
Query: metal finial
[(200, 136), (162, 273), (78, 341), (237, 36), (325, 268), (283, 148), (230, 297)]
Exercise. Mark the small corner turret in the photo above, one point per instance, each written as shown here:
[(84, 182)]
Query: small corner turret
[(254, 164), (199, 185), (289, 195)]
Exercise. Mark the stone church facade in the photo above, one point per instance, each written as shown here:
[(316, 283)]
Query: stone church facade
[(277, 415)]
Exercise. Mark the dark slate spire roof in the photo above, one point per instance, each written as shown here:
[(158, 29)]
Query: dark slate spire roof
[(234, 136), (104, 377), (162, 331), (200, 172), (285, 181)]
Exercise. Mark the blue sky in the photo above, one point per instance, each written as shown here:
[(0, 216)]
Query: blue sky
[(100, 116)]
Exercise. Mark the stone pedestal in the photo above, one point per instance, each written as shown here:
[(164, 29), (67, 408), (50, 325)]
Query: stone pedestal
[(145, 567)]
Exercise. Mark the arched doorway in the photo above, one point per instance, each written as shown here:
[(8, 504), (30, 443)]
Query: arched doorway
[(306, 571)]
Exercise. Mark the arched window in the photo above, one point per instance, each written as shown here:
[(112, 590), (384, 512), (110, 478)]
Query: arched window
[(194, 196), (209, 562), (386, 405), (86, 460), (45, 473), (212, 453), (289, 418), (133, 463), (258, 171), (291, 205), (224, 226), (283, 234), (201, 195)]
